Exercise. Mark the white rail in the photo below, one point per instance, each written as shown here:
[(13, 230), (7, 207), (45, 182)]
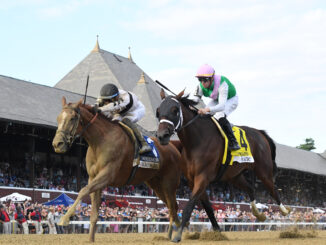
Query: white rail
[(195, 223)]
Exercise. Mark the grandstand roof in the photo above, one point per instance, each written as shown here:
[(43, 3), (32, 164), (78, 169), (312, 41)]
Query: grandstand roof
[(323, 154), (32, 103), (106, 67), (306, 161)]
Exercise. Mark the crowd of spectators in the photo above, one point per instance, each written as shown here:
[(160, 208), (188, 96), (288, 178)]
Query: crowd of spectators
[(52, 178), (64, 179), (42, 219)]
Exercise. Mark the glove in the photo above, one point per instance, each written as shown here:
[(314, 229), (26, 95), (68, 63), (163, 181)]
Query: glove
[(117, 117), (99, 102), (95, 109)]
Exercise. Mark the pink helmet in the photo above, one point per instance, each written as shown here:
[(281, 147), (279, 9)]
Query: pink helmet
[(205, 71)]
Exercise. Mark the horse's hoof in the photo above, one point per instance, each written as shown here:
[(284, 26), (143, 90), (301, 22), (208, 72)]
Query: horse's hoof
[(285, 212), (262, 217), (63, 222), (176, 240)]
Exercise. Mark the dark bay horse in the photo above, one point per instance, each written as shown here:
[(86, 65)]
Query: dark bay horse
[(109, 160), (203, 148)]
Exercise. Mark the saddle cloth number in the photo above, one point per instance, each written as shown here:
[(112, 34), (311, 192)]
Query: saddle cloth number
[(243, 154)]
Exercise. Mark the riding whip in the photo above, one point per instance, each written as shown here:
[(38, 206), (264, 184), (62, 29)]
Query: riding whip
[(86, 89), (163, 86)]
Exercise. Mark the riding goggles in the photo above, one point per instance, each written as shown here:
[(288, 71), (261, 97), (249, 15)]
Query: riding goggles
[(204, 79)]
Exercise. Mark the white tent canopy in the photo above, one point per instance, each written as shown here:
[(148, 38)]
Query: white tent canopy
[(261, 206), (15, 197), (318, 210)]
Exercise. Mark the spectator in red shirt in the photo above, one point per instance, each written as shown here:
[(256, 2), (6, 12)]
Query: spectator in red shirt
[(5, 220), (36, 218), (20, 217)]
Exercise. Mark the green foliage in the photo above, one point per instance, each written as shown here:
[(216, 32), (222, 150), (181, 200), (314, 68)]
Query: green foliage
[(308, 146)]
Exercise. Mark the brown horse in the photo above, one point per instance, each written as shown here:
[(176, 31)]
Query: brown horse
[(109, 160), (203, 148)]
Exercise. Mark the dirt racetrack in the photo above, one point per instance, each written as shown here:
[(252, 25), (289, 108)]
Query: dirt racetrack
[(242, 238)]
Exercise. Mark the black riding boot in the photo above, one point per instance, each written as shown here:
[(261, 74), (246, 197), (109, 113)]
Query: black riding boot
[(144, 146), (233, 144)]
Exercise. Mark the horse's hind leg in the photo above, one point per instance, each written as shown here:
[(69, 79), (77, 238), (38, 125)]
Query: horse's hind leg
[(241, 183), (209, 211), (95, 199), (266, 178)]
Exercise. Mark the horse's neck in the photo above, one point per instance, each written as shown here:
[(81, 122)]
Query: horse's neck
[(198, 133), (99, 128)]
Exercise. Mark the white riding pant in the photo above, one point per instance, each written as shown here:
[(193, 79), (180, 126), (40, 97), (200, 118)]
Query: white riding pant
[(230, 106)]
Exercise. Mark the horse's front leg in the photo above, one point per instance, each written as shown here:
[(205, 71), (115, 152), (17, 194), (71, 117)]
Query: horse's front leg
[(209, 211), (98, 183), (200, 185), (96, 199)]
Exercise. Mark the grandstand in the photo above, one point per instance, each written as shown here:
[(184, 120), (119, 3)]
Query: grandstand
[(28, 123)]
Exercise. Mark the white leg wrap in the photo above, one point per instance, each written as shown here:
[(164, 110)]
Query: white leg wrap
[(284, 210), (254, 208), (253, 203)]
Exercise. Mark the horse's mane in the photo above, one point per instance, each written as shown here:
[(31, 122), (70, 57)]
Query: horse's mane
[(190, 104), (89, 109), (187, 102)]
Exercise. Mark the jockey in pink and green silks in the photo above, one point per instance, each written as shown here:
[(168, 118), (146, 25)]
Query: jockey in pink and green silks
[(224, 99)]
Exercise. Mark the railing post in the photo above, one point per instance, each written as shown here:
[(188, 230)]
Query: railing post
[(140, 225)]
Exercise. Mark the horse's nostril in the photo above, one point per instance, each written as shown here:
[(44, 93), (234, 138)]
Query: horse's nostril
[(58, 144)]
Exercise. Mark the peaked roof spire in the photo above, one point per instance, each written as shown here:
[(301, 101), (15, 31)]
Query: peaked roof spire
[(129, 55), (97, 46), (142, 79)]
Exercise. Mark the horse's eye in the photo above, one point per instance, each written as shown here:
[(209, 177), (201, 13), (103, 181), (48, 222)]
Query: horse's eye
[(175, 111)]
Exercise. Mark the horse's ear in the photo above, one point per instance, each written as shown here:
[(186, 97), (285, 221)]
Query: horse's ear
[(162, 93), (63, 101), (79, 102), (180, 94)]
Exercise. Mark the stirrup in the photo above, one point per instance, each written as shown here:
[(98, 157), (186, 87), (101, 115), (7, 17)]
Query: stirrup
[(144, 149)]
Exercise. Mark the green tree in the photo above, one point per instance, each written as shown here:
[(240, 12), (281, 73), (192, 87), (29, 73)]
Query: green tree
[(308, 146)]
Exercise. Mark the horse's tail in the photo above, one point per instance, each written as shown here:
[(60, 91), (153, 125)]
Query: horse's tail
[(273, 152)]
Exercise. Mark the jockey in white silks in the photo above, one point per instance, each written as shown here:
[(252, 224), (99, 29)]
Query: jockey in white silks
[(123, 106), (224, 99)]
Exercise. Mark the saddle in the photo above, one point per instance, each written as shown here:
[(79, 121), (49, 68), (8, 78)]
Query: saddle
[(146, 160), (243, 155)]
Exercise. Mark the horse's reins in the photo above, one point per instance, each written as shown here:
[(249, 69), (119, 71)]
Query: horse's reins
[(87, 125), (180, 122)]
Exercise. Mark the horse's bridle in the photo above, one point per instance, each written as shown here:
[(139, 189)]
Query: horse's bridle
[(179, 126), (71, 136)]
